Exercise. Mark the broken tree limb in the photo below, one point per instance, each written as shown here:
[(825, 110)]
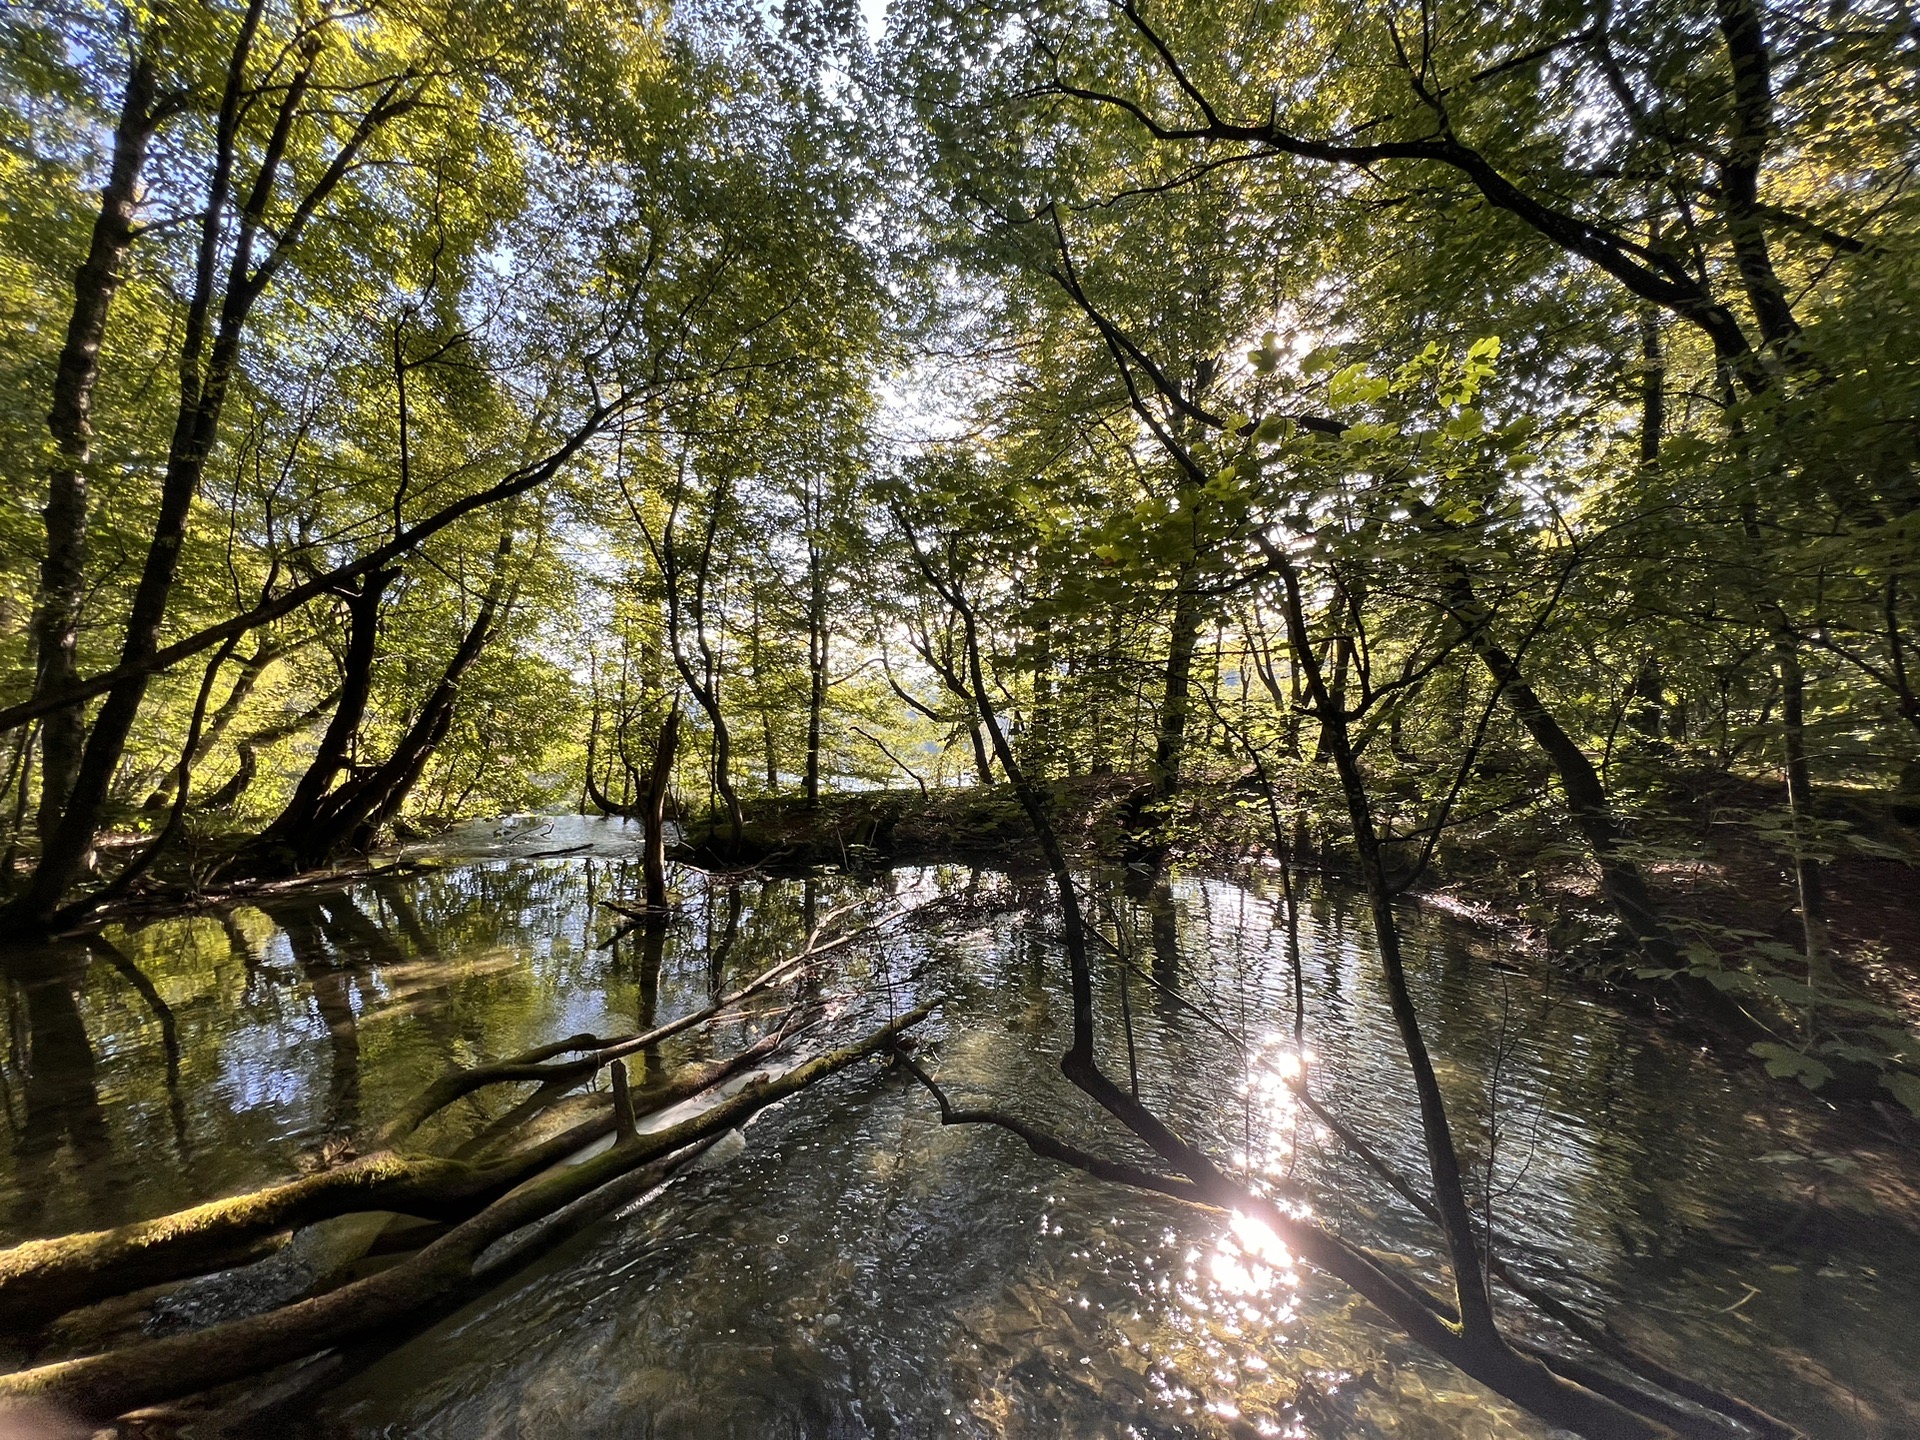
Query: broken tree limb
[(623, 1126), (1050, 1147), (43, 1278), (103, 1386), (594, 1053)]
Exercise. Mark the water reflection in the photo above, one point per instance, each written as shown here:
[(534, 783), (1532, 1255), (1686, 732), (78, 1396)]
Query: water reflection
[(862, 1270), (61, 1116), (329, 980)]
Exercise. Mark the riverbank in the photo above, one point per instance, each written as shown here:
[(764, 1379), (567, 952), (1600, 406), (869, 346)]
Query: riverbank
[(1712, 848), (1721, 872)]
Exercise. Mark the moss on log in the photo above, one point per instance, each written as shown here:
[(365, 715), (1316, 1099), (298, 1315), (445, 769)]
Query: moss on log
[(100, 1387)]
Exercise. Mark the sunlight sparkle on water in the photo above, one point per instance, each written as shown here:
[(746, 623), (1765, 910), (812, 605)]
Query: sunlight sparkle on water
[(1249, 1260), (1276, 1067)]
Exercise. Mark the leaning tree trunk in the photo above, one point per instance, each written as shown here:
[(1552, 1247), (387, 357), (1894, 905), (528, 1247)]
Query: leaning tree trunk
[(63, 580), (297, 818), (348, 817), (1623, 886)]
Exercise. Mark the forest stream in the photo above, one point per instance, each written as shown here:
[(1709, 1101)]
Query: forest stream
[(856, 1268)]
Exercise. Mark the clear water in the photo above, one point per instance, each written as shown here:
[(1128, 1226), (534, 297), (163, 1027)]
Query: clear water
[(862, 1271)]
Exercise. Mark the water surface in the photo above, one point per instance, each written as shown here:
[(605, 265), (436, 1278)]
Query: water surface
[(859, 1270)]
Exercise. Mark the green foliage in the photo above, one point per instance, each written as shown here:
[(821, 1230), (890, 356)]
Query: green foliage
[(1127, 318)]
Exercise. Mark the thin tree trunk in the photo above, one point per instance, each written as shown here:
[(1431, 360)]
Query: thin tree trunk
[(1169, 751), (22, 788), (659, 784), (1621, 882), (817, 661), (1043, 743), (243, 683), (1170, 740), (1808, 883), (1443, 1161), (1653, 388)]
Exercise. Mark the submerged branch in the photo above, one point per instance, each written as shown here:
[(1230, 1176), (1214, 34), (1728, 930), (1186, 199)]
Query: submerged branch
[(100, 1387)]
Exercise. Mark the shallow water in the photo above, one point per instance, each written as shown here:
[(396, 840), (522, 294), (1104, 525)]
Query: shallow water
[(859, 1269)]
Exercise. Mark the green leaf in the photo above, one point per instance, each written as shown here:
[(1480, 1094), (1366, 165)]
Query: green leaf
[(1784, 1062), (1905, 1088), (1355, 386)]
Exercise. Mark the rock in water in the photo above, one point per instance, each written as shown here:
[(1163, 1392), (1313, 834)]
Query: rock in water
[(730, 1146)]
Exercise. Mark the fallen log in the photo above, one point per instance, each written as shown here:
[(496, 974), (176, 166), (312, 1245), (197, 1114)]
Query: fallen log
[(44, 1278), (101, 1387), (530, 1067)]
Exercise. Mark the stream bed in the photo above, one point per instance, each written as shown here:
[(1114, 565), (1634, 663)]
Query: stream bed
[(858, 1269)]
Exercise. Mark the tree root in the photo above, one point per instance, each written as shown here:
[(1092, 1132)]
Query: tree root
[(100, 1387)]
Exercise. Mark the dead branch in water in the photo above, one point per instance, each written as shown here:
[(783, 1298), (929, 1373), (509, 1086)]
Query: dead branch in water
[(100, 1387), (42, 1279)]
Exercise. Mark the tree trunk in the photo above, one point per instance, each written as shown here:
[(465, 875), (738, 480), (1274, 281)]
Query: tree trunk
[(21, 784), (349, 817), (209, 352), (1624, 887), (356, 687), (1443, 1162), (1653, 388), (1808, 884), (817, 660), (1042, 742), (659, 784), (1151, 839), (250, 672), (1169, 749), (63, 580)]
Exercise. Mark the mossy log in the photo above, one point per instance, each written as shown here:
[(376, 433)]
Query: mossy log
[(42, 1279), (100, 1387), (45, 1278)]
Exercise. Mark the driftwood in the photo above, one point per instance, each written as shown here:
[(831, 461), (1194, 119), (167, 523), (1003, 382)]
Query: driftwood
[(100, 1387), (591, 1053), (42, 1279)]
